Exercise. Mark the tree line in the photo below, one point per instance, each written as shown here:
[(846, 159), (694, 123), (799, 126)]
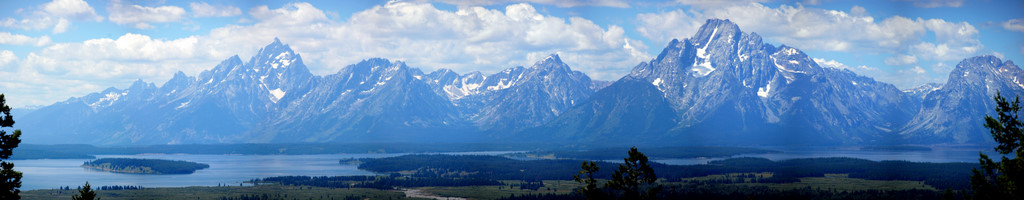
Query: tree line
[(152, 166), (939, 175)]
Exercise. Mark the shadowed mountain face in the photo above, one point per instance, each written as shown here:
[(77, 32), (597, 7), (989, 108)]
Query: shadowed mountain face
[(722, 86)]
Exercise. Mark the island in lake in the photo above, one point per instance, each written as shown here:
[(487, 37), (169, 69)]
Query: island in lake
[(144, 166)]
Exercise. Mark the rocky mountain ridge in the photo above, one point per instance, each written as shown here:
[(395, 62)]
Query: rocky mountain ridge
[(722, 86)]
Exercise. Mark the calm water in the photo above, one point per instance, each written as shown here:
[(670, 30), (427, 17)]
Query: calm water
[(936, 155), (234, 169)]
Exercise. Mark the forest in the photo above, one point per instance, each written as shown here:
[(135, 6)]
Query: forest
[(938, 175), (655, 152), (144, 166), (739, 192)]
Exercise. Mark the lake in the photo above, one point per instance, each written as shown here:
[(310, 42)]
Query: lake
[(235, 169), (936, 155)]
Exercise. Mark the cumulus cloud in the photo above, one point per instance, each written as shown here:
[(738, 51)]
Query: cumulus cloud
[(559, 3), (290, 14), (7, 57), (1014, 25), (16, 39), (468, 39), (112, 62), (127, 47), (74, 9), (140, 16), (63, 70), (203, 9), (917, 70), (53, 15), (663, 27)]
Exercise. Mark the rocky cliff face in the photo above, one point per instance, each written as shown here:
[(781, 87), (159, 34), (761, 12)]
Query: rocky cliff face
[(954, 113)]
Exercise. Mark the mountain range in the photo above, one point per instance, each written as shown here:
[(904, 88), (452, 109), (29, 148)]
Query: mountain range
[(720, 87)]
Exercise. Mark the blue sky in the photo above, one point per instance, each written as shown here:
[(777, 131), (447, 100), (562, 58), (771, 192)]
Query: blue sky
[(54, 50)]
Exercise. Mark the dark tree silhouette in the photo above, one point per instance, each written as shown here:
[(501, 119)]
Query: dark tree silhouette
[(633, 176), (86, 193), (10, 180), (1001, 180), (586, 176)]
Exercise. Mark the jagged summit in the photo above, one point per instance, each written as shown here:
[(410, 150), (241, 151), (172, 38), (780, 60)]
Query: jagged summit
[(982, 66), (552, 62), (720, 29), (275, 55)]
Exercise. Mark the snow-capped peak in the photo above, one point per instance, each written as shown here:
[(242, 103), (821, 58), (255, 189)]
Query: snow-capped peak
[(551, 62)]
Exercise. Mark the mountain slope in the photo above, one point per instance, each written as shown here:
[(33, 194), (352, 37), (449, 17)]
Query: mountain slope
[(629, 105), (729, 87), (955, 112), (515, 98), (374, 100)]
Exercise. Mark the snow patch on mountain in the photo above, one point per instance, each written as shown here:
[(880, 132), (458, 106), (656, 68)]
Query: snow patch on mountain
[(108, 99), (764, 91), (277, 94), (704, 68)]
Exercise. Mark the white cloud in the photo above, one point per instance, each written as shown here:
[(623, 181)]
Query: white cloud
[(858, 11), (128, 47), (716, 3), (663, 27), (203, 9), (1014, 25), (61, 26), (74, 9), (937, 3), (468, 39), (917, 70), (140, 16), (16, 39), (559, 3), (7, 57), (290, 14), (901, 60), (54, 15), (64, 70)]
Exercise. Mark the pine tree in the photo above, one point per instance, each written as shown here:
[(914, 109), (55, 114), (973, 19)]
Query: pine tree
[(633, 176), (1001, 180), (586, 176), (10, 180), (85, 193)]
